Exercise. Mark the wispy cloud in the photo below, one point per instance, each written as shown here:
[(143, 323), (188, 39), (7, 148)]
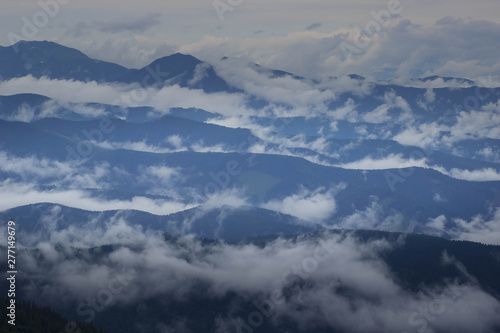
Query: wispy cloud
[(15, 195), (136, 24), (397, 161), (481, 229), (123, 95)]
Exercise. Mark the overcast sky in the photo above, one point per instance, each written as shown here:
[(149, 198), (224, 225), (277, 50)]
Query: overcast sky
[(424, 37)]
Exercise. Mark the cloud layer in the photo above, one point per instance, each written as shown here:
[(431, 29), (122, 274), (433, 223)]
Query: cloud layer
[(333, 281)]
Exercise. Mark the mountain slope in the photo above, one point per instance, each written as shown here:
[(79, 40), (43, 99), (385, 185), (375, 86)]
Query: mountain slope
[(217, 223), (181, 69)]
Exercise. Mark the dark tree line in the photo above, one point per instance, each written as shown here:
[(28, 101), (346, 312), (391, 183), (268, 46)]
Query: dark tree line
[(32, 318)]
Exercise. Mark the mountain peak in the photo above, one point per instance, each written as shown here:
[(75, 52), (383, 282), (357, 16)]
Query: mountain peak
[(45, 58), (34, 42), (177, 59), (44, 46), (181, 69), (356, 77)]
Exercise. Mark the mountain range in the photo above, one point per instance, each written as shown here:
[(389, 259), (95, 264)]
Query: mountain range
[(207, 182)]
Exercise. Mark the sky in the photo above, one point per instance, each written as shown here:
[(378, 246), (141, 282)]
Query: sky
[(314, 38)]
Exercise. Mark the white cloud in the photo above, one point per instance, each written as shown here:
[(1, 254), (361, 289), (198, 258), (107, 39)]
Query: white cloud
[(163, 174), (448, 47), (233, 198), (200, 147), (486, 174), (429, 85), (127, 95), (15, 195), (397, 161), (346, 112), (437, 225), (381, 114), (392, 161), (481, 229), (176, 141), (437, 198), (485, 124), (137, 146), (53, 228), (302, 95), (424, 135), (429, 95), (371, 218), (317, 144), (488, 154), (58, 109), (33, 166), (44, 171), (472, 124), (313, 206), (24, 113)]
